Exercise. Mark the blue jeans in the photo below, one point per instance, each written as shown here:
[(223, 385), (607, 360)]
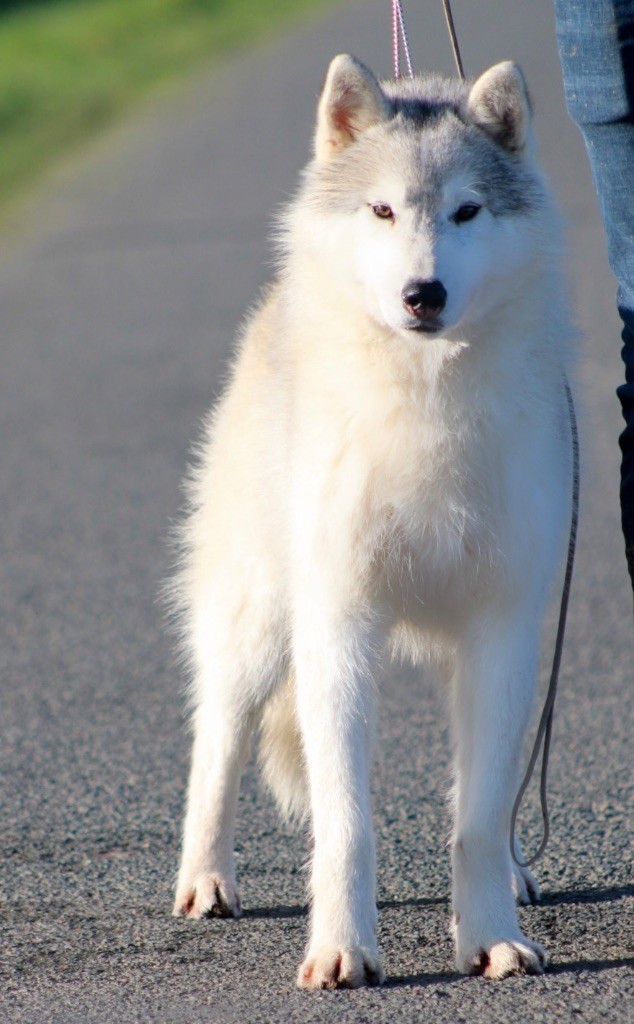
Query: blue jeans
[(596, 49)]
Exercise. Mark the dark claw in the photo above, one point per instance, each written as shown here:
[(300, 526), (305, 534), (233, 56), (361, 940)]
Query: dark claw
[(481, 962)]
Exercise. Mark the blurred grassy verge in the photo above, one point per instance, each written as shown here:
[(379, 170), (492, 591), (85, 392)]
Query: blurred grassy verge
[(68, 67)]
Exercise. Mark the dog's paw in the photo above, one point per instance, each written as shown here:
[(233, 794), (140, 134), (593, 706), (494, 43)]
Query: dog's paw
[(503, 958), (208, 896), (340, 968), (525, 886)]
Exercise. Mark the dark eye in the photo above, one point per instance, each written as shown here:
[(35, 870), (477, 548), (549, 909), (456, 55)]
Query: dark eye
[(383, 211), (466, 212)]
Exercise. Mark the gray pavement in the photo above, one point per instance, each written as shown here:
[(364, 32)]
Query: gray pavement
[(121, 283)]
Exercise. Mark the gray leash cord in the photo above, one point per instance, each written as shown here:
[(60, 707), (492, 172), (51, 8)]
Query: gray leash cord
[(451, 28), (545, 728)]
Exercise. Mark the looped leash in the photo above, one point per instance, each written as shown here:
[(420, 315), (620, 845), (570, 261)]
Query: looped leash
[(544, 730)]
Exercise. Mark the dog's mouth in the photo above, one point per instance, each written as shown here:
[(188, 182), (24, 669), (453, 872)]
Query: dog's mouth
[(428, 327)]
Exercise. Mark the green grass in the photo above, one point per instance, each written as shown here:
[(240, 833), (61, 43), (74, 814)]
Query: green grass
[(69, 67)]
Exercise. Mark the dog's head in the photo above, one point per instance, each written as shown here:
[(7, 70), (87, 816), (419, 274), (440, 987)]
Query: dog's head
[(423, 198)]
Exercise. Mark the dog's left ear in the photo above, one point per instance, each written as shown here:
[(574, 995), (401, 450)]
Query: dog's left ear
[(499, 103), (351, 102)]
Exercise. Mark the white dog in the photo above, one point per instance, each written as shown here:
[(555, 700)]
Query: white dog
[(388, 469)]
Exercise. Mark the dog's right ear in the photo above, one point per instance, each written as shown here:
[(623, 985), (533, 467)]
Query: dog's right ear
[(351, 101)]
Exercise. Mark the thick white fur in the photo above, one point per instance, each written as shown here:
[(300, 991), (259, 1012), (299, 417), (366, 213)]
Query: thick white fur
[(364, 488)]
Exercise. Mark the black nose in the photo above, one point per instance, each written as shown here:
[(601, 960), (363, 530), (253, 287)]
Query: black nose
[(424, 299)]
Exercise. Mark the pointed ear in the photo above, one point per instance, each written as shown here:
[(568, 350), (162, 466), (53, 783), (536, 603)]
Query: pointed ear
[(351, 101), (499, 104)]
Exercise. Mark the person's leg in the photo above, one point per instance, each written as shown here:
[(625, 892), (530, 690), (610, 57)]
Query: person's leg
[(596, 48)]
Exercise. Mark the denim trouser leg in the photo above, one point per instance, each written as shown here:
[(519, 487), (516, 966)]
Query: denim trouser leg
[(596, 48)]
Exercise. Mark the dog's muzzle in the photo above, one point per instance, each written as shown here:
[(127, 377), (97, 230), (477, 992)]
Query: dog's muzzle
[(424, 300)]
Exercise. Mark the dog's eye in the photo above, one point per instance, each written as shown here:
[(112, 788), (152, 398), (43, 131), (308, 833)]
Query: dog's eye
[(382, 210), (466, 212)]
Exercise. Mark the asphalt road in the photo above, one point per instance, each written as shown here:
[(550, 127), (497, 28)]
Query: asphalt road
[(121, 283)]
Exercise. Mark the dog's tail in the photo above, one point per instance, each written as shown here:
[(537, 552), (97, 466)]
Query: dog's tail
[(281, 754)]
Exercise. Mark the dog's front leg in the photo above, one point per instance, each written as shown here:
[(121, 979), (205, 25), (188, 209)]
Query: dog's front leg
[(334, 659), (492, 696)]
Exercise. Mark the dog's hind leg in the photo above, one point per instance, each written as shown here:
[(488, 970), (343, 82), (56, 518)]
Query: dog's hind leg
[(206, 883), (239, 656), (492, 696)]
